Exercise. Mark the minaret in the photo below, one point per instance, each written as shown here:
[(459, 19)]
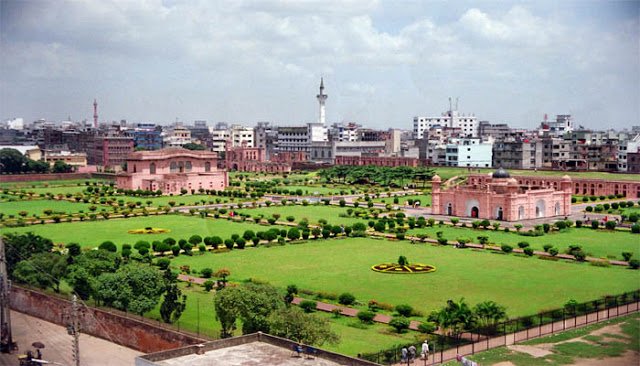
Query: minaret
[(322, 97), (95, 114)]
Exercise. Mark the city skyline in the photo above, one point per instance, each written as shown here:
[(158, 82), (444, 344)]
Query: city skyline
[(382, 62)]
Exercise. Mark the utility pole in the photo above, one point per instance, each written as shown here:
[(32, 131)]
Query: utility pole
[(6, 339), (74, 330)]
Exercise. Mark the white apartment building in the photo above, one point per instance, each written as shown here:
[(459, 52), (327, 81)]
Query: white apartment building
[(300, 138), (630, 146), (468, 152), (344, 132), (468, 124), (176, 136), (557, 128), (238, 136)]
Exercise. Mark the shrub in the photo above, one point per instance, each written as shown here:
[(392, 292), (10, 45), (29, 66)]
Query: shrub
[(427, 327), (206, 273), (293, 234), (589, 209), (546, 247), (108, 246), (635, 229), (291, 218), (528, 251), (627, 256), (163, 263), (506, 248), (595, 224), (208, 285), (175, 249), (346, 298), (241, 243), (309, 306), (610, 225), (553, 251), (202, 248), (366, 316), (523, 244), (404, 310), (229, 243), (634, 263), (578, 223), (400, 324)]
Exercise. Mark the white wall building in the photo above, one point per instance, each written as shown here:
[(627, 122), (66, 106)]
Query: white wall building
[(468, 153), (557, 128), (176, 136), (630, 146), (468, 124)]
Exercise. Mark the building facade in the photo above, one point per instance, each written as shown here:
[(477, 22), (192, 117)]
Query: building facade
[(173, 170), (500, 197)]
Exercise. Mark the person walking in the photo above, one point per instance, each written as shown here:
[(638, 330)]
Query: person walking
[(465, 361), (405, 354), (424, 351), (412, 353)]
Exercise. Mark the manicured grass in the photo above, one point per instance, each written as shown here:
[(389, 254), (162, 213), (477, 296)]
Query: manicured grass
[(92, 233), (318, 190), (312, 213), (573, 346), (599, 243), (48, 183), (524, 285), (424, 199), (186, 200), (73, 189), (36, 207)]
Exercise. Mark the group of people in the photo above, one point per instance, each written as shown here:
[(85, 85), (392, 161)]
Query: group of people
[(409, 354)]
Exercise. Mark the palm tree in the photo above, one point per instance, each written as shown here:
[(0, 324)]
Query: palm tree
[(455, 317), (489, 314)]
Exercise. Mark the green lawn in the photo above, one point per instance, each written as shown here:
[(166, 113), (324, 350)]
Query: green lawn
[(36, 207), (524, 285), (48, 183), (91, 234), (187, 200), (574, 346), (312, 213), (424, 199), (599, 243)]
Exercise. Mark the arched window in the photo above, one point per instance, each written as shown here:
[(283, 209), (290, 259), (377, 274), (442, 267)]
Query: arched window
[(557, 208), (521, 213), (187, 166), (207, 166), (173, 167), (152, 168), (135, 169)]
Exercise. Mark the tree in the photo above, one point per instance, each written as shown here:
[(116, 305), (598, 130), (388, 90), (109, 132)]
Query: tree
[(308, 306), (135, 288), (292, 291), (192, 146), (400, 324), (174, 301), (454, 317), (195, 239), (11, 161), (61, 167), (489, 314), (37, 166), (366, 316), (42, 270), (346, 298), (293, 234), (294, 324), (20, 247), (251, 303), (404, 310), (108, 246)]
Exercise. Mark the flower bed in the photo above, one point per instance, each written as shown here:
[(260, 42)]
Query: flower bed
[(149, 230), (409, 268)]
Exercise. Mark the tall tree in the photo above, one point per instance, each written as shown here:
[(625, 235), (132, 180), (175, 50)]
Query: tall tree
[(489, 314), (42, 270), (294, 324), (135, 288), (455, 317), (20, 247), (11, 161), (174, 301), (61, 167)]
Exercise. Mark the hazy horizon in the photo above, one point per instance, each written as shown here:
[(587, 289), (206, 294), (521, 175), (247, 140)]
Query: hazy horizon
[(383, 62)]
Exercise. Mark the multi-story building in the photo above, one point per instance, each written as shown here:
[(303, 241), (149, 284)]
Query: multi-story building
[(200, 134), (557, 128), (344, 132), (468, 152), (146, 136), (235, 135), (631, 146), (177, 136), (173, 170), (468, 124), (110, 152), (265, 137), (524, 154)]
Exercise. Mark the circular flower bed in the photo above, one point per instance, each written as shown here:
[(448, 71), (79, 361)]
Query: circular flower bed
[(409, 268), (149, 230)]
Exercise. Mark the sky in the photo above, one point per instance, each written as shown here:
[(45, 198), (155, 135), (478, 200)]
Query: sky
[(383, 62)]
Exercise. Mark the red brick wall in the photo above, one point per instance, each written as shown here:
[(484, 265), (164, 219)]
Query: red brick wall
[(110, 325)]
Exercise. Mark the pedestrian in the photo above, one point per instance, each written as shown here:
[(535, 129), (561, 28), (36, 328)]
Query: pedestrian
[(425, 350), (405, 353), (412, 353)]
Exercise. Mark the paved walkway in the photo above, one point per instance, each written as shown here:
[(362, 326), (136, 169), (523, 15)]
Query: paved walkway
[(93, 351)]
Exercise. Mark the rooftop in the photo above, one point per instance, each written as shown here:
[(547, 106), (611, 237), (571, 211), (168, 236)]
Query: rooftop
[(251, 349)]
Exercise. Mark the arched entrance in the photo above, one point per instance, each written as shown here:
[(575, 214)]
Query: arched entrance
[(499, 214), (540, 208), (449, 209), (557, 208), (475, 212), (521, 213)]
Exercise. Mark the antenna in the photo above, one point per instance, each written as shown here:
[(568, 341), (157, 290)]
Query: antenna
[(450, 108), (457, 103)]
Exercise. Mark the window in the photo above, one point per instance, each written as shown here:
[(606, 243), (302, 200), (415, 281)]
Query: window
[(207, 166), (152, 168)]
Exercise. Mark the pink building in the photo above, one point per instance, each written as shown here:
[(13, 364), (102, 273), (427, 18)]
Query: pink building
[(253, 159), (500, 197), (171, 170), (392, 161)]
